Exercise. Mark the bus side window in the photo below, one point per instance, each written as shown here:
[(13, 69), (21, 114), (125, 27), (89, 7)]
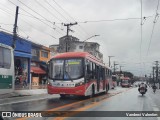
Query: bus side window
[(106, 73), (103, 73), (100, 73), (97, 72)]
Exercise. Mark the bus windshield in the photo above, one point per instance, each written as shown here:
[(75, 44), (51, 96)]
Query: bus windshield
[(125, 81), (114, 78), (66, 69)]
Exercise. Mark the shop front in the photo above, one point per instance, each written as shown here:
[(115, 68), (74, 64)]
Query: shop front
[(38, 77), (22, 70), (22, 59)]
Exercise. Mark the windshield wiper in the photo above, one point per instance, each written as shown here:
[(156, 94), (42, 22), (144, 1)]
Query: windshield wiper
[(69, 77)]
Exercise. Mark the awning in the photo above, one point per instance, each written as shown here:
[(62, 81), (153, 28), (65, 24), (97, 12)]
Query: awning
[(22, 54), (37, 70)]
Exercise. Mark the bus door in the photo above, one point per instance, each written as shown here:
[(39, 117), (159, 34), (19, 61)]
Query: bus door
[(98, 77), (103, 78)]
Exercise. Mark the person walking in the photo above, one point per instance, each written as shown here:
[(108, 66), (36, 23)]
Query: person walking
[(25, 80)]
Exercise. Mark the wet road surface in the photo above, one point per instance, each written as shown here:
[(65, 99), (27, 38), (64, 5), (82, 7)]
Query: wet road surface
[(120, 99)]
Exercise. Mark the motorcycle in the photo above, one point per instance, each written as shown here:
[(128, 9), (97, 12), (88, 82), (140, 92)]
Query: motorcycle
[(142, 90), (154, 90)]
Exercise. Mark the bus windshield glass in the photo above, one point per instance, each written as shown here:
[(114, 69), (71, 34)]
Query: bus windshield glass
[(66, 69), (125, 81), (114, 78)]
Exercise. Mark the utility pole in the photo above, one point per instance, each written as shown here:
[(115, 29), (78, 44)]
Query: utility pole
[(15, 28), (153, 77), (68, 29), (115, 67), (121, 68), (157, 80), (110, 60)]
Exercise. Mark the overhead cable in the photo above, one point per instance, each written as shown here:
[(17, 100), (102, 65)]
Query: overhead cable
[(154, 22)]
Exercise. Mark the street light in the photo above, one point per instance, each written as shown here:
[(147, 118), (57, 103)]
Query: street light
[(109, 60), (91, 37)]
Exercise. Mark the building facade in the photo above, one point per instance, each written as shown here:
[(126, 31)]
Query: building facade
[(54, 49), (40, 57), (22, 55), (30, 60), (72, 44)]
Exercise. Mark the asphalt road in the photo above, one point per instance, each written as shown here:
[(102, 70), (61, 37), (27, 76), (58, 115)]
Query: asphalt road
[(120, 99)]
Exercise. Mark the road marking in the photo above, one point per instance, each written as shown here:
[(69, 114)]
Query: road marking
[(61, 107), (81, 109), (84, 108), (93, 104)]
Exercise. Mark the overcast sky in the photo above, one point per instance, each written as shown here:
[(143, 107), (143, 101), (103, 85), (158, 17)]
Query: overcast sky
[(41, 22)]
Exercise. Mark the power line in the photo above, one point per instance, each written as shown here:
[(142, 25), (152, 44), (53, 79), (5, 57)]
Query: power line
[(56, 10), (37, 13), (6, 30), (37, 19), (24, 32), (154, 22), (5, 11), (5, 24), (70, 17), (63, 9), (32, 25), (112, 20), (39, 30), (27, 23), (141, 40), (47, 10)]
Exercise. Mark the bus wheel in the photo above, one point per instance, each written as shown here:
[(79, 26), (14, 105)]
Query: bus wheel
[(63, 96)]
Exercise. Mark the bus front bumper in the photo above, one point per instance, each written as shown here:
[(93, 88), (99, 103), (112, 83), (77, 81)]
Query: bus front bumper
[(79, 90)]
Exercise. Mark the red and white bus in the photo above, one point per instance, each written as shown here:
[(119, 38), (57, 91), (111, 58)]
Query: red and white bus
[(125, 82), (78, 73)]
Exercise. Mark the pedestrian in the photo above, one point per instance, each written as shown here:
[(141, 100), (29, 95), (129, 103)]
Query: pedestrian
[(24, 80)]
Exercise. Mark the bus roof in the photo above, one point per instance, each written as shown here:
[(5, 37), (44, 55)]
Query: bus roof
[(79, 54), (6, 46), (71, 54)]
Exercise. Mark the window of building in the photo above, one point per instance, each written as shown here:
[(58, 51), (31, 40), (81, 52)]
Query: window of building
[(80, 47), (34, 52), (44, 54)]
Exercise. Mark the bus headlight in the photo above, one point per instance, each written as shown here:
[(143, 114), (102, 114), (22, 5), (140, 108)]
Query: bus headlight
[(49, 83)]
